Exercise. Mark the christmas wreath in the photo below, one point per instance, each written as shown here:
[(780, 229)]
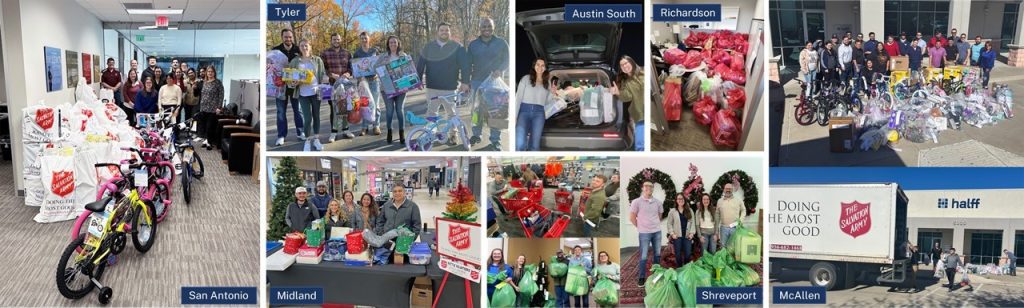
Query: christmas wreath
[(656, 176), (739, 179)]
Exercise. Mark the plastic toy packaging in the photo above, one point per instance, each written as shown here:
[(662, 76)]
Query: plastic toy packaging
[(660, 288), (676, 70), (704, 110), (367, 106), (725, 129), (872, 139), (693, 90), (334, 250), (672, 101), (493, 95), (1004, 95)]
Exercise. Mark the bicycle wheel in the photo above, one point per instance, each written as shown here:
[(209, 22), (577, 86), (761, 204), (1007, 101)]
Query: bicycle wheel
[(72, 283), (419, 140), (803, 114), (464, 137), (162, 194), (186, 184), (143, 233), (197, 165), (821, 113)]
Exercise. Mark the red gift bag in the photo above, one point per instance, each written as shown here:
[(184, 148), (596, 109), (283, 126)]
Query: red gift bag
[(725, 130), (672, 101), (736, 98), (354, 242), (292, 242), (704, 110), (674, 56)]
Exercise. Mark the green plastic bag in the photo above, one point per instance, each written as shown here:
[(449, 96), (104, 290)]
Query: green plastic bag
[(661, 288), (550, 303), (690, 277), (504, 296), (527, 285), (605, 293), (577, 282), (729, 277), (720, 260), (745, 245), (558, 269), (749, 275), (404, 240), (492, 279)]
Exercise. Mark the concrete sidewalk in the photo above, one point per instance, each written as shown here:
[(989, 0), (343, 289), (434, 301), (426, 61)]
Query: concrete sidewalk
[(996, 146)]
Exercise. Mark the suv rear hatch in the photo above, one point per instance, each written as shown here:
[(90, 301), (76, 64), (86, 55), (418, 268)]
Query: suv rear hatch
[(576, 52)]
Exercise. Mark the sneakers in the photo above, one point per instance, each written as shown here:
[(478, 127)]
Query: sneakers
[(474, 140), (308, 144), (332, 138), (302, 136), (364, 132), (376, 131), (317, 145), (640, 283), (348, 135), (279, 142)]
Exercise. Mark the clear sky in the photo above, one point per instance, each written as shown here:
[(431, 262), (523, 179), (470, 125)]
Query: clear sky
[(909, 178)]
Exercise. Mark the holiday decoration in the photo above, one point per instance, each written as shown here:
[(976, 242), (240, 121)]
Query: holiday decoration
[(655, 176), (693, 188), (287, 179), (740, 182), (462, 206)]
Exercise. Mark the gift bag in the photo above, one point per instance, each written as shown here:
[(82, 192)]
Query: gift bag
[(725, 130), (106, 94), (690, 277), (59, 178), (674, 56), (736, 98), (590, 106), (493, 96), (748, 275), (605, 293), (693, 90), (704, 110), (577, 282), (354, 242), (661, 288), (558, 269), (504, 296), (745, 245), (672, 101), (367, 109), (527, 285)]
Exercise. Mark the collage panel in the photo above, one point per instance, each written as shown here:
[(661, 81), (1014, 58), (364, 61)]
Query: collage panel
[(708, 75), (580, 85), (388, 76), (553, 272), (895, 83), (890, 236), (100, 208), (691, 240), (552, 196), (406, 225)]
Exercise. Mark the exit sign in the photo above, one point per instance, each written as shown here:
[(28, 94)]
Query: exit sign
[(140, 37)]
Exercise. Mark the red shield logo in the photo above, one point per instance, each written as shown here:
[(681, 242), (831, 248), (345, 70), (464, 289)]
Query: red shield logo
[(44, 118), (855, 218), (458, 237), (63, 183), (475, 275)]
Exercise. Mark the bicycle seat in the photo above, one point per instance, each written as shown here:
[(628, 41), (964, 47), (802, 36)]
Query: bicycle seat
[(98, 205), (433, 119)]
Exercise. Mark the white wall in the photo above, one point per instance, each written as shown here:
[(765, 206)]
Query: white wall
[(841, 13), (28, 26), (678, 168), (240, 67), (748, 11)]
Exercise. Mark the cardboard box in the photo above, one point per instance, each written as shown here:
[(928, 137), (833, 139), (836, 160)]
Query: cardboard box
[(399, 258), (840, 135), (900, 63), (422, 293)]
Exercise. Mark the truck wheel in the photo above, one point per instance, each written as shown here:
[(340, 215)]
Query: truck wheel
[(824, 274)]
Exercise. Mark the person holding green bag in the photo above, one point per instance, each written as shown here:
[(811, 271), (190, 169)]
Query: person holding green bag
[(559, 268), (606, 271), (518, 273), (577, 259), (730, 212), (497, 268)]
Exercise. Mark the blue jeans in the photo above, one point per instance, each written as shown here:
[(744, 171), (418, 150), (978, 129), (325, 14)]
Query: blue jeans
[(478, 128), (847, 73), (708, 242), (581, 301), (653, 240), (561, 297), (809, 80), (311, 110), (375, 92), (282, 117), (639, 137), (587, 229), (395, 106), (682, 248), (530, 121), (984, 76), (726, 233)]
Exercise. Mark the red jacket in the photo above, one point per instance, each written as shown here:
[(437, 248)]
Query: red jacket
[(942, 41), (892, 48)]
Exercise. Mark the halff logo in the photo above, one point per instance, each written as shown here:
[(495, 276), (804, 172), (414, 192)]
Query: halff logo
[(971, 203)]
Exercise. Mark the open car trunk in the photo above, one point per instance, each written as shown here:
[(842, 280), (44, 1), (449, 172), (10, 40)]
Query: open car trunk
[(569, 119)]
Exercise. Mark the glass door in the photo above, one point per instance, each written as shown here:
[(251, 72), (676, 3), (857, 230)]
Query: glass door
[(814, 25)]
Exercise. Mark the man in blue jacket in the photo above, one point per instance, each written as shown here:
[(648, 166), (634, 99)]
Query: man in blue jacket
[(915, 56), (488, 57), (445, 67), (321, 198), (904, 44)]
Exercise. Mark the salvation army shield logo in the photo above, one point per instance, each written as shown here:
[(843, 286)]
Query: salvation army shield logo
[(474, 274), (458, 236), (44, 118), (63, 183), (855, 218)]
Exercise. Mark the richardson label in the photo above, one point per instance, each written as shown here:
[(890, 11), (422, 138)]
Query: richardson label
[(44, 118), (63, 183), (855, 218), (458, 237)]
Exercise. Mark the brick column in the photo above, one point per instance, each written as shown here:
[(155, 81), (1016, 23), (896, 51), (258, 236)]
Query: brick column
[(1016, 56)]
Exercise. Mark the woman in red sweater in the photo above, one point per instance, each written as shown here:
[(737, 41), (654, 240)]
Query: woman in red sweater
[(891, 47)]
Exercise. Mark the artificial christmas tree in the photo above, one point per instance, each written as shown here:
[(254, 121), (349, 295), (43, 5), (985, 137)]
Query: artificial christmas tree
[(286, 179), (462, 205)]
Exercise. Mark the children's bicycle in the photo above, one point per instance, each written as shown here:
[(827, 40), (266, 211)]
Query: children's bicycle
[(111, 219), (451, 130), (188, 161)]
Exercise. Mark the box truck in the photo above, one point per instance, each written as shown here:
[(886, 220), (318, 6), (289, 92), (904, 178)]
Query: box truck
[(839, 233)]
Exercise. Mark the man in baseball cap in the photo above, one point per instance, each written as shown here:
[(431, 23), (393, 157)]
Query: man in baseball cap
[(300, 214)]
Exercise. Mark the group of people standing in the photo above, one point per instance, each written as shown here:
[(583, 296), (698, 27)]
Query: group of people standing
[(181, 91), (445, 65), (515, 273), (712, 223), (832, 61)]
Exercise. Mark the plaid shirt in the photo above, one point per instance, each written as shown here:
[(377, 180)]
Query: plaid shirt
[(333, 61)]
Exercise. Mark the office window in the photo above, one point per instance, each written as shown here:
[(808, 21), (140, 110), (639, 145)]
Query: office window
[(913, 16), (926, 240), (1010, 20), (788, 30), (1019, 247), (986, 247)]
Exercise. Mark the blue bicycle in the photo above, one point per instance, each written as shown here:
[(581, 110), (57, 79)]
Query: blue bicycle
[(437, 129)]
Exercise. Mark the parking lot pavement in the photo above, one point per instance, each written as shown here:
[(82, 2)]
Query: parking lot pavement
[(985, 291), (996, 146)]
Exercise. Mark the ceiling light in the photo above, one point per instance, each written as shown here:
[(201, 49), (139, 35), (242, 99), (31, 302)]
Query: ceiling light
[(147, 27), (155, 11)]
